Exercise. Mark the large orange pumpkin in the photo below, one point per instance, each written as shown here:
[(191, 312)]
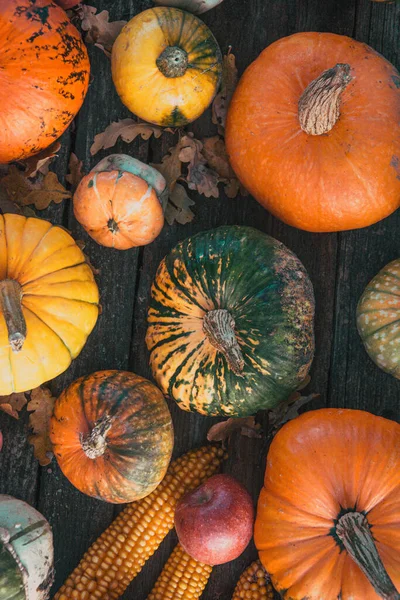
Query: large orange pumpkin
[(112, 435), (166, 66), (48, 302), (328, 519), (313, 132), (118, 202), (44, 76)]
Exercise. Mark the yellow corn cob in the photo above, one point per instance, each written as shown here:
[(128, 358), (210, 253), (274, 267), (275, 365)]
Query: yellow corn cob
[(120, 552), (182, 578), (254, 584)]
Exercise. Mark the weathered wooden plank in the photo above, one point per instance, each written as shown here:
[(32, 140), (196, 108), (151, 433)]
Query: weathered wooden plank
[(355, 381)]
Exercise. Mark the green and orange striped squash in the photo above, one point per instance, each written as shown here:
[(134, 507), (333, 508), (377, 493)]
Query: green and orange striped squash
[(166, 66), (112, 435), (378, 318), (230, 323)]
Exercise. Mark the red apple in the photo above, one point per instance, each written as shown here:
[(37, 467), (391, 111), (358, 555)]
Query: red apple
[(214, 523)]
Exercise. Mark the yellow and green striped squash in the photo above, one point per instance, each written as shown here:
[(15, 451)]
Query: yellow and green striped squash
[(230, 323)]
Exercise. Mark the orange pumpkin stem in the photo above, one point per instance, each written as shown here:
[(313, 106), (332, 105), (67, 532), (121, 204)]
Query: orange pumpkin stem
[(10, 304), (319, 105), (94, 444), (219, 327), (355, 534), (173, 62)]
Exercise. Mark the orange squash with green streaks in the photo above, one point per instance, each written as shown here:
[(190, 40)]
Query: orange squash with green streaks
[(48, 302), (166, 66), (112, 435), (328, 517), (230, 322), (44, 76)]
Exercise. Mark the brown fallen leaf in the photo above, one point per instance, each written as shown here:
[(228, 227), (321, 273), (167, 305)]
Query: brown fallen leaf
[(100, 30), (199, 177), (40, 163), (171, 165), (223, 430), (41, 407), (288, 410), (75, 171), (22, 191), (178, 207), (6, 205), (214, 151), (224, 96), (128, 130), (13, 404), (51, 190)]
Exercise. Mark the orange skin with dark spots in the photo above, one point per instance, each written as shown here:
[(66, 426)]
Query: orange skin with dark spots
[(345, 179), (44, 76)]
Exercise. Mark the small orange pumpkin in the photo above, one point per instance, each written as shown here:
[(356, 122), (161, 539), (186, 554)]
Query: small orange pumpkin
[(328, 518), (112, 435), (313, 132), (44, 76), (119, 202), (166, 66)]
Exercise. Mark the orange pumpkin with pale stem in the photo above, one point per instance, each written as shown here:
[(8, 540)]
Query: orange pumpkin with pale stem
[(44, 76), (313, 132), (112, 435), (328, 518), (48, 302), (166, 66), (119, 202)]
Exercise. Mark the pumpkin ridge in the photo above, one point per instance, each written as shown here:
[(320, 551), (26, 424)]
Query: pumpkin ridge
[(60, 298), (181, 287), (73, 245), (171, 338), (174, 379), (372, 333), (47, 274), (22, 266), (50, 328)]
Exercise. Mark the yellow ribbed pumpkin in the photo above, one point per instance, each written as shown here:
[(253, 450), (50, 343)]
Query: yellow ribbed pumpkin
[(48, 302)]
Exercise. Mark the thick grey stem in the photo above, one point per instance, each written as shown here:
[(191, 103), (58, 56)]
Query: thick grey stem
[(10, 305), (219, 327), (354, 532), (94, 444), (319, 105), (173, 62)]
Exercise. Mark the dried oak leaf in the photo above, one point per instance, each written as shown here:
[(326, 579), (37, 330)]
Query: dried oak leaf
[(127, 129), (40, 163), (223, 430), (214, 151), (178, 207), (13, 404), (288, 410), (41, 407), (199, 177), (171, 165), (22, 191), (51, 190), (100, 30), (224, 96), (75, 171)]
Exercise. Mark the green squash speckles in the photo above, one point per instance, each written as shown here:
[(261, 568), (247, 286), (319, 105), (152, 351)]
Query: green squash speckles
[(230, 322)]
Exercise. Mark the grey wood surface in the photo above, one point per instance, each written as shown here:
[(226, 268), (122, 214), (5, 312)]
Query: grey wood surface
[(340, 265)]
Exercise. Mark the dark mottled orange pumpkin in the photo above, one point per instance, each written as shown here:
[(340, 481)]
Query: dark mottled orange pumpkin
[(112, 435), (44, 76)]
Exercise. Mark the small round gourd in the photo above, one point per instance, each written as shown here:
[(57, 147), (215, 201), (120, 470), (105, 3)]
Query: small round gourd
[(230, 322), (48, 302), (119, 202), (44, 76), (26, 552), (378, 318), (166, 66), (112, 435)]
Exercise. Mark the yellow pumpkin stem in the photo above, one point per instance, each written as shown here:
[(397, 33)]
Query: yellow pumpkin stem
[(355, 534), (173, 62), (319, 105), (10, 305), (219, 327)]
